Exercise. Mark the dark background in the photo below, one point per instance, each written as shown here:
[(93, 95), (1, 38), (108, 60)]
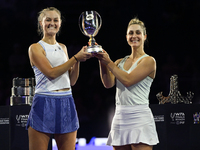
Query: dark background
[(173, 40)]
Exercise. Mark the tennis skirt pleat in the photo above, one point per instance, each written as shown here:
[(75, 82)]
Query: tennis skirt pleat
[(53, 114), (132, 125)]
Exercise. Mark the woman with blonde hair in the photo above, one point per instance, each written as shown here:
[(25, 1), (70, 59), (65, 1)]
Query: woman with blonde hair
[(133, 126), (53, 110)]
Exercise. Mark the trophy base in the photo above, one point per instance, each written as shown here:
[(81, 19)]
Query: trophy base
[(94, 49)]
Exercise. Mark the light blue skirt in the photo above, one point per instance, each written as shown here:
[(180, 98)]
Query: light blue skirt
[(53, 114)]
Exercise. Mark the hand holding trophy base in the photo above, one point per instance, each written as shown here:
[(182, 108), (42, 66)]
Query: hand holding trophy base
[(94, 49), (89, 24)]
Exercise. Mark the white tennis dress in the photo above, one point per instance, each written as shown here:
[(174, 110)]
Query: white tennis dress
[(133, 121)]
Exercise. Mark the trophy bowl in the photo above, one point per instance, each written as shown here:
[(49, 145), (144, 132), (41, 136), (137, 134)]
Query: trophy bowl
[(89, 23)]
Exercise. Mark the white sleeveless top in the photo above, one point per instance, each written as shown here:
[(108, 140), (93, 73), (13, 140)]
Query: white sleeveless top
[(136, 94), (56, 57)]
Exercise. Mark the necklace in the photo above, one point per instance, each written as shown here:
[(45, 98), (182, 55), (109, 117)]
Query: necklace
[(57, 46)]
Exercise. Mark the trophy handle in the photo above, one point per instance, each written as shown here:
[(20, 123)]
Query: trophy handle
[(100, 20), (99, 24), (81, 23)]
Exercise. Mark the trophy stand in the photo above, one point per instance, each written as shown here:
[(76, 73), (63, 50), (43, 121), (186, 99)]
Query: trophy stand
[(93, 48), (22, 91), (175, 96)]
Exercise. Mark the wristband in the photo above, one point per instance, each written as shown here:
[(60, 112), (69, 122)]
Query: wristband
[(76, 58)]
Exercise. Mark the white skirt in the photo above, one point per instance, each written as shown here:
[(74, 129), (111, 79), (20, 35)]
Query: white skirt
[(132, 125)]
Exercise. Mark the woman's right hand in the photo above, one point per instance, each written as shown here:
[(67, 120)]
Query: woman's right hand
[(103, 57), (82, 55)]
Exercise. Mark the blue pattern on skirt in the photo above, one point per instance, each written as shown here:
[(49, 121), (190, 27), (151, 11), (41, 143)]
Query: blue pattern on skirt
[(53, 114)]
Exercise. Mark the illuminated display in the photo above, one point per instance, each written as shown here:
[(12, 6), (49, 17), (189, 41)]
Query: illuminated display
[(94, 144)]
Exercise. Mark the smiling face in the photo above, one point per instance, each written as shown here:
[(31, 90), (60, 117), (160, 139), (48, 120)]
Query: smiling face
[(135, 35), (50, 23)]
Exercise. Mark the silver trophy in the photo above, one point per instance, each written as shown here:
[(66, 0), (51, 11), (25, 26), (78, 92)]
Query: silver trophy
[(89, 23)]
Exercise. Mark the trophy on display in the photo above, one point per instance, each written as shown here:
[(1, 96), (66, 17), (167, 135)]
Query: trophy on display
[(175, 96), (89, 23)]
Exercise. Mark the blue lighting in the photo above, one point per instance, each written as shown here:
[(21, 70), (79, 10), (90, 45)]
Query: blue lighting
[(94, 144)]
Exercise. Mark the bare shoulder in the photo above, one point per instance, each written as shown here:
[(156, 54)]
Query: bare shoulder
[(35, 51), (118, 61), (62, 45), (35, 46), (149, 60)]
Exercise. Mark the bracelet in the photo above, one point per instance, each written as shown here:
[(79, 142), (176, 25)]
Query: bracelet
[(76, 58)]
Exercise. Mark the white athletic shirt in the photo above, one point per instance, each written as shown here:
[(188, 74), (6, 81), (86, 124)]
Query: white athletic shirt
[(56, 57), (136, 94)]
